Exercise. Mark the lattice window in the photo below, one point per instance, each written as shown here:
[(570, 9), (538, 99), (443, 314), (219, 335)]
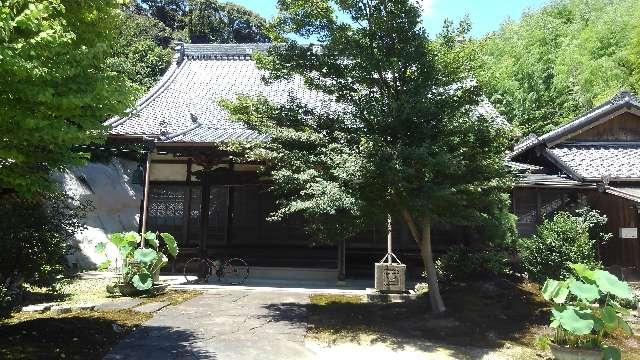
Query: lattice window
[(166, 205)]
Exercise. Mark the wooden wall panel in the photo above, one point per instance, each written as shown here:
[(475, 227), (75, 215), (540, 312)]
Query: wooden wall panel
[(624, 127), (620, 213)]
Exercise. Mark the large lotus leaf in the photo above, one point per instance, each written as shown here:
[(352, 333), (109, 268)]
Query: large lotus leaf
[(556, 313), (555, 290), (608, 283), (132, 237), (611, 353), (172, 245), (151, 239), (583, 271), (145, 256), (585, 292), (576, 321), (117, 239), (142, 281)]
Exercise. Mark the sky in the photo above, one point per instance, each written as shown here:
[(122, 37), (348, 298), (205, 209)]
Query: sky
[(486, 15)]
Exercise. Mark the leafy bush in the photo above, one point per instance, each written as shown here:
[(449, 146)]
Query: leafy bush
[(140, 263), (587, 309), (560, 241), (35, 236), (461, 263)]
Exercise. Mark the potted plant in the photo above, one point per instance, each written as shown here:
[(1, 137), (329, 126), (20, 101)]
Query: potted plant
[(142, 264), (586, 310)]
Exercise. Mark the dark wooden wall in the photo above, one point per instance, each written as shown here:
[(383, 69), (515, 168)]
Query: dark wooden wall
[(620, 213), (533, 205), (624, 127)]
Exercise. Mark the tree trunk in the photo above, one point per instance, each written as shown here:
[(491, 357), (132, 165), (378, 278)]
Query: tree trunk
[(423, 239), (437, 305)]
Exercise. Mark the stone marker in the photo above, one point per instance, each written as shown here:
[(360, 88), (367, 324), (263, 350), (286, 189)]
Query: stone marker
[(151, 307), (118, 304)]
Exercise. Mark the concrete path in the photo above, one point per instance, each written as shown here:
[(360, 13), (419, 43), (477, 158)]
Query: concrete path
[(221, 325)]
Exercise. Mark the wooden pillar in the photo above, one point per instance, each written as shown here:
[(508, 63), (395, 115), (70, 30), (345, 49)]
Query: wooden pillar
[(230, 207), (204, 215), (145, 200), (187, 208)]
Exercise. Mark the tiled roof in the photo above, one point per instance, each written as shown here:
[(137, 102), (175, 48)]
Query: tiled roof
[(621, 101), (593, 161), (630, 193), (184, 106), (548, 180)]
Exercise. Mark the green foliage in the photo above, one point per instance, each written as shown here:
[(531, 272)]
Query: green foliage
[(461, 263), (403, 137), (403, 141), (586, 308), (142, 262), (57, 87), (561, 60), (142, 50), (209, 21), (36, 235), (559, 241)]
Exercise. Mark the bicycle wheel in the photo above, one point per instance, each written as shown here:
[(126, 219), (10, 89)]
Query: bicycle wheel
[(235, 271), (196, 270)]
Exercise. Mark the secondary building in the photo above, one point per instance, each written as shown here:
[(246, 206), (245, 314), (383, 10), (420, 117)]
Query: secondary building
[(594, 160)]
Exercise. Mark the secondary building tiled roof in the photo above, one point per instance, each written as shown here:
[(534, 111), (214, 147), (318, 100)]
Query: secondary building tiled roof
[(623, 100), (548, 180), (595, 161)]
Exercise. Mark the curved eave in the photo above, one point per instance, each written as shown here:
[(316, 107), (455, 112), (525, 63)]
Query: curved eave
[(164, 82)]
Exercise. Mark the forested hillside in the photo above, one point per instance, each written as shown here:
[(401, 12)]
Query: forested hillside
[(148, 29), (561, 60)]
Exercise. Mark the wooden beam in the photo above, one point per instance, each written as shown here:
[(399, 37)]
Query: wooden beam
[(145, 201)]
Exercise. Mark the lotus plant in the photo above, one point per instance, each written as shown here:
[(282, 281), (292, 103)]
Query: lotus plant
[(140, 263), (586, 310)]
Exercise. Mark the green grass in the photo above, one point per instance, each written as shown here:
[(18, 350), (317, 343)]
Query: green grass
[(337, 299), (75, 335)]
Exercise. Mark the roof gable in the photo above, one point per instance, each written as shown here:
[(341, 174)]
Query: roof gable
[(623, 103)]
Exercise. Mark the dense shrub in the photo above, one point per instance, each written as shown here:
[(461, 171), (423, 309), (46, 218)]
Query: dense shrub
[(36, 235), (562, 240), (462, 263)]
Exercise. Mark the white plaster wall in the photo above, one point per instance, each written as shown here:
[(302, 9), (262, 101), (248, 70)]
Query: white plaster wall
[(115, 206)]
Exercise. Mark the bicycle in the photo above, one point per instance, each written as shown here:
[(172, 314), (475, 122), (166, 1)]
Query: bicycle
[(233, 271)]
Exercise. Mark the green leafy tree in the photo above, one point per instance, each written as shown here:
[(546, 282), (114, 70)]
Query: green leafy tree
[(169, 12), (561, 60), (57, 88), (209, 21), (404, 139), (143, 48)]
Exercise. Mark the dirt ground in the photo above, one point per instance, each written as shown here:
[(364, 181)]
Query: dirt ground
[(498, 316)]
